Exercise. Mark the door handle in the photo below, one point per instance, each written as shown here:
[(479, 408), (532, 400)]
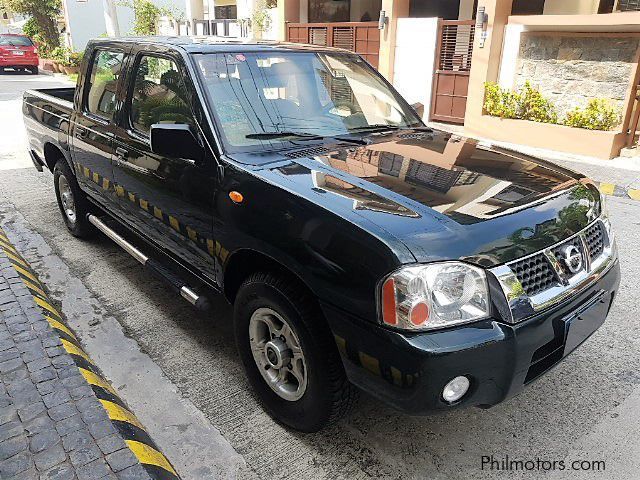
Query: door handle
[(81, 132), (121, 153)]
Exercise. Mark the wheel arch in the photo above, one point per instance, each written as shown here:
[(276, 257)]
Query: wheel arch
[(244, 262), (53, 153)]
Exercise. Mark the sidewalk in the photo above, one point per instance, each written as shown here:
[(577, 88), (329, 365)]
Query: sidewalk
[(59, 419)]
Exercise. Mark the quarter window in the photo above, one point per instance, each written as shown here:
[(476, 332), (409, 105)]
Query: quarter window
[(103, 81), (159, 95)]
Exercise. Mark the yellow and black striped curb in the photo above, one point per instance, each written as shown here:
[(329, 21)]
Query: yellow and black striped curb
[(618, 191), (133, 432)]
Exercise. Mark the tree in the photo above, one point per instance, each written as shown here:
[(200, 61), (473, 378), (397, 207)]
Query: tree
[(44, 14)]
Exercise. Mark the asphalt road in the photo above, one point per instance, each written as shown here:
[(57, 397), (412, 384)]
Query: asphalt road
[(586, 408)]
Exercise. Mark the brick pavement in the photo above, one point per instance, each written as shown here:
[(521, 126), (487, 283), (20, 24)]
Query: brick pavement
[(52, 425)]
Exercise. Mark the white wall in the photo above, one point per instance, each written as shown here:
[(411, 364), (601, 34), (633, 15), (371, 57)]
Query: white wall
[(272, 32), (509, 59), (85, 20), (416, 42)]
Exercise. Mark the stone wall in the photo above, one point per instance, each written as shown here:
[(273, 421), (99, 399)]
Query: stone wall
[(571, 70)]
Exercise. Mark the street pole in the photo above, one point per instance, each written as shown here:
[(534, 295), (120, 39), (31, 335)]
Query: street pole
[(111, 18)]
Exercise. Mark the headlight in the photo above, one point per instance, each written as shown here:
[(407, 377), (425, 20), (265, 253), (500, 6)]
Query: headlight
[(438, 295)]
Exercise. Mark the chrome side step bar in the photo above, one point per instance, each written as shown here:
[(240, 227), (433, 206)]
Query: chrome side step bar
[(126, 246), (198, 301)]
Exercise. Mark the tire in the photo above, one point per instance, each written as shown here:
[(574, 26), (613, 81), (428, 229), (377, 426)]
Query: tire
[(327, 394), (33, 70), (74, 199)]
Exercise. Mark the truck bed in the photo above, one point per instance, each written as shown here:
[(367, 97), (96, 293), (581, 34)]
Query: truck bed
[(47, 114), (61, 93)]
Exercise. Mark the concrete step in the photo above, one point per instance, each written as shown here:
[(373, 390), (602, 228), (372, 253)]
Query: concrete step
[(630, 152)]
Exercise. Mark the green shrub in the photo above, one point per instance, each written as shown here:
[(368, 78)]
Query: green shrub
[(526, 104), (599, 114), (533, 106), (529, 104), (59, 54), (499, 102)]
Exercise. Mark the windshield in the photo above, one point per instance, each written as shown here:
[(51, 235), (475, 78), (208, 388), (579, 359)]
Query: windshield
[(15, 40), (264, 99)]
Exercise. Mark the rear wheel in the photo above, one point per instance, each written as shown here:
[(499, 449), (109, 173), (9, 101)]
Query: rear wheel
[(289, 354), (71, 200), (33, 70)]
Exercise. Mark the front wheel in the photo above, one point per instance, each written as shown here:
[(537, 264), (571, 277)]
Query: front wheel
[(289, 354), (71, 200)]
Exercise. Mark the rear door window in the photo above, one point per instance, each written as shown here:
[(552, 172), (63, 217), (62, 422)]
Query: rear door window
[(105, 69)]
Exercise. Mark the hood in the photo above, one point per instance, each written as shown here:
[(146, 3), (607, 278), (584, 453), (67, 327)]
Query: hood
[(447, 197)]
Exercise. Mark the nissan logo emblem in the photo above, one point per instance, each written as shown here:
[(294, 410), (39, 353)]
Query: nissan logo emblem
[(572, 258)]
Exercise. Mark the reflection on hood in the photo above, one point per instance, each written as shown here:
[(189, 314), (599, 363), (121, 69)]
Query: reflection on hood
[(452, 175)]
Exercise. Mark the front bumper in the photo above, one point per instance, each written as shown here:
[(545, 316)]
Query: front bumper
[(409, 371)]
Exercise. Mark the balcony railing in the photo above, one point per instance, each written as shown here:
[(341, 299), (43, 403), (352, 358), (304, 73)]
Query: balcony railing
[(218, 27)]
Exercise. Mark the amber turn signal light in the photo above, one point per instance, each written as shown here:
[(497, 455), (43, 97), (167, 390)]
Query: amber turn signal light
[(236, 197)]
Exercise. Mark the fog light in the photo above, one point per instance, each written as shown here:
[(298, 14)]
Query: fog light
[(455, 389)]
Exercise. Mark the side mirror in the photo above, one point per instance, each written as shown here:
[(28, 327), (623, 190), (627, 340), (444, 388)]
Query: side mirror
[(419, 108), (175, 140)]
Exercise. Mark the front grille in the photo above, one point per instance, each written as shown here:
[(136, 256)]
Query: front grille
[(594, 235), (535, 274), (543, 279)]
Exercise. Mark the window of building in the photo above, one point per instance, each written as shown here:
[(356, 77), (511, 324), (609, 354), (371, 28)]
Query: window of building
[(445, 9), (101, 94), (227, 11), (329, 11), (527, 7), (159, 95)]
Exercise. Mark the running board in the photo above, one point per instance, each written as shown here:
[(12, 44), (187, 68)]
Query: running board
[(174, 281)]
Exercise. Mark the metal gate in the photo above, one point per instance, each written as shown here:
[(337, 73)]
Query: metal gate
[(453, 63), (359, 37)]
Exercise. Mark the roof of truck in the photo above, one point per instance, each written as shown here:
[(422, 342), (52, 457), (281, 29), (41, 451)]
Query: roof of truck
[(210, 44)]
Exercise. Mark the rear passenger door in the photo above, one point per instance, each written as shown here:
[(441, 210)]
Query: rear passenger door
[(169, 200), (93, 127)]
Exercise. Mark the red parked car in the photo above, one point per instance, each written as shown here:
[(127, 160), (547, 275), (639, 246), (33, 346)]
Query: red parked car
[(18, 52)]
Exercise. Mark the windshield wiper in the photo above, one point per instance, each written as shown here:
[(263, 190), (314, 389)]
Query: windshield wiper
[(374, 127), (274, 135)]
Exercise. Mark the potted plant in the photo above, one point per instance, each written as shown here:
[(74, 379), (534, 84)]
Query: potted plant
[(58, 56), (72, 64)]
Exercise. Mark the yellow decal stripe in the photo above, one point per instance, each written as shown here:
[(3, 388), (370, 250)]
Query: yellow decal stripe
[(370, 363)]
